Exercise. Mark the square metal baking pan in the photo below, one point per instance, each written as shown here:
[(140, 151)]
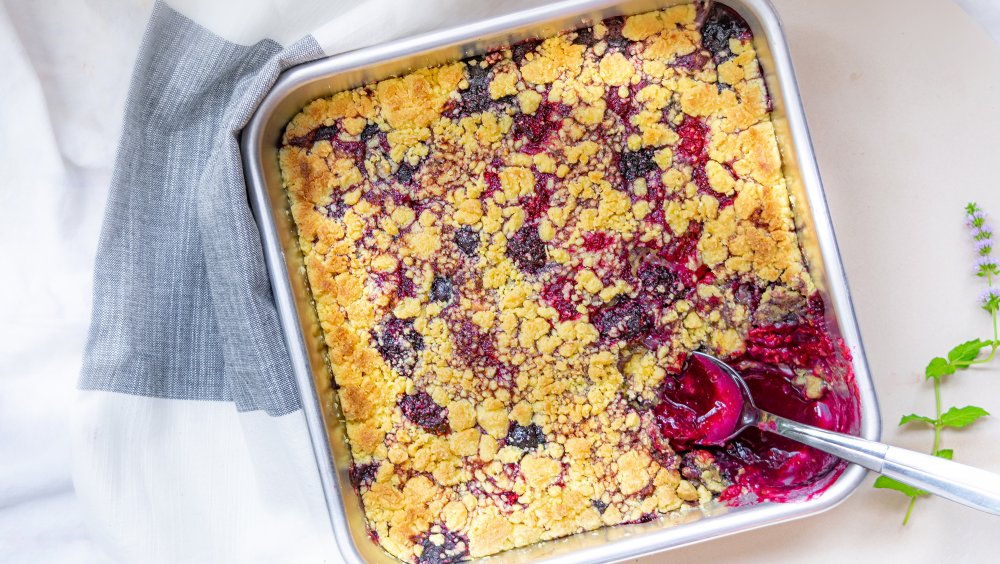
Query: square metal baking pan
[(302, 84)]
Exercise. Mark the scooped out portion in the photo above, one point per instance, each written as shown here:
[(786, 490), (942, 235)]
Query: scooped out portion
[(790, 368)]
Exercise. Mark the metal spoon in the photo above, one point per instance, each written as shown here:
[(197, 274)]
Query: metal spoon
[(969, 486)]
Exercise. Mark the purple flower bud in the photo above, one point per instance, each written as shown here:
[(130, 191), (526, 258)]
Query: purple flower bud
[(985, 264), (984, 247), (989, 295)]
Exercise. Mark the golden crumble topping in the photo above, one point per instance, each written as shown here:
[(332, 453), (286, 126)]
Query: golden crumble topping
[(509, 254)]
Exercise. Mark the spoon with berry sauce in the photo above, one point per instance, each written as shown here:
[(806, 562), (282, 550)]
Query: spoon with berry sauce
[(710, 404)]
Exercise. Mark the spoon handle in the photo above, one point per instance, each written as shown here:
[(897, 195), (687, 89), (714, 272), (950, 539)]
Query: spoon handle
[(960, 483)]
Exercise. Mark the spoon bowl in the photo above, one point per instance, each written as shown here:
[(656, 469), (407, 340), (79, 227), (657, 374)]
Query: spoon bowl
[(749, 414)]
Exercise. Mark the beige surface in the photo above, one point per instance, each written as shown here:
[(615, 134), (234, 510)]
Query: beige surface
[(903, 102)]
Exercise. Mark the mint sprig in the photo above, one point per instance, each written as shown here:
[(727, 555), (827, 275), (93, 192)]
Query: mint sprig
[(961, 357)]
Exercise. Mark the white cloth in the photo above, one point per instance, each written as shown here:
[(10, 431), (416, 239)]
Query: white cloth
[(66, 71)]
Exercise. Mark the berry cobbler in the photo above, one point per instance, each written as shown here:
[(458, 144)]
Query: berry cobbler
[(512, 257)]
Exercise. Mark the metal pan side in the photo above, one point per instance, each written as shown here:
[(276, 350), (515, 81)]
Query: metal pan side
[(302, 84)]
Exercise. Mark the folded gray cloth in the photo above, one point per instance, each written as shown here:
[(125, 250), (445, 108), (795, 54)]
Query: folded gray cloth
[(182, 303)]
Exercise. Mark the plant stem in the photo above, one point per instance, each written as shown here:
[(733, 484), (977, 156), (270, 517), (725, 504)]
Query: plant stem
[(937, 439), (909, 510), (937, 415), (996, 341)]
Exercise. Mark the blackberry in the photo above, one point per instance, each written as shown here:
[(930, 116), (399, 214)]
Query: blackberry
[(525, 438), (527, 250), (421, 409)]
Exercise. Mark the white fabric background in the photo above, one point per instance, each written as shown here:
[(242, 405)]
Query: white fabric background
[(66, 69)]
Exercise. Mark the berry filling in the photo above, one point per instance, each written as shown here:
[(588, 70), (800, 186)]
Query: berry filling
[(527, 250), (520, 50), (477, 350), (624, 320), (538, 203), (636, 164), (692, 61), (467, 241), (585, 36), (525, 438), (363, 475), (404, 174), (537, 128), (765, 466), (597, 241), (621, 106), (421, 409), (476, 98), (442, 289), (450, 548), (614, 36), (336, 209), (693, 133), (561, 295), (721, 25), (399, 344)]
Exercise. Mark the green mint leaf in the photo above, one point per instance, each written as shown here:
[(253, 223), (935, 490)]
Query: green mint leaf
[(959, 417), (966, 352), (938, 367), (945, 453), (886, 483), (914, 417)]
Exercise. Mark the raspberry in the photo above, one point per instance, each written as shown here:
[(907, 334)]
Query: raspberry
[(693, 134)]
